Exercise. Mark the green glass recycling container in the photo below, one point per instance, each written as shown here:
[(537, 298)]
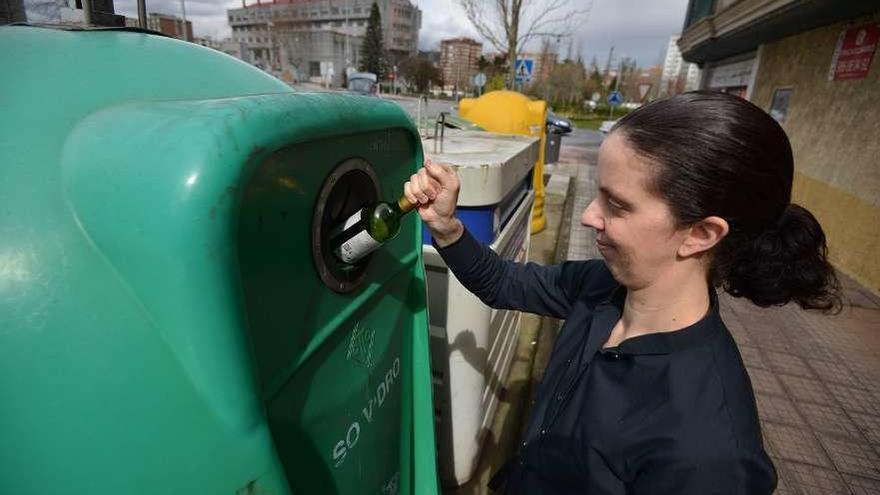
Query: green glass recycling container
[(172, 318)]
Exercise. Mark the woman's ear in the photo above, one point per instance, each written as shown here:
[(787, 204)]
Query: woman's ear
[(703, 236)]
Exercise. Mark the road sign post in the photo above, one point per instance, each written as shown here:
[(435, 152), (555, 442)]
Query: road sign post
[(479, 81), (524, 70), (614, 99)]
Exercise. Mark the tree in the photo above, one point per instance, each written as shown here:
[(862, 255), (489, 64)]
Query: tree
[(497, 65), (565, 86), (373, 50), (420, 72), (510, 24)]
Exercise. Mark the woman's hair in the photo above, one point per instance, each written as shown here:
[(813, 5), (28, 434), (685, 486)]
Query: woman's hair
[(719, 155)]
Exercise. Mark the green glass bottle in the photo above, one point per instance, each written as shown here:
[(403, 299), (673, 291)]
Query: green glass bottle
[(369, 228)]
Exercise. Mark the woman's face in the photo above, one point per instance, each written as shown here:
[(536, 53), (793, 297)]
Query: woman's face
[(635, 230)]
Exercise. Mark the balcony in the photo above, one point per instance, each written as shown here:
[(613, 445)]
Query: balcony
[(716, 29), (698, 9)]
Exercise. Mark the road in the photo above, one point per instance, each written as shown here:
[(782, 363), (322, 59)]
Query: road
[(411, 104)]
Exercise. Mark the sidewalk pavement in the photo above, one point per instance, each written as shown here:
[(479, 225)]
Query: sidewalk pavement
[(816, 377)]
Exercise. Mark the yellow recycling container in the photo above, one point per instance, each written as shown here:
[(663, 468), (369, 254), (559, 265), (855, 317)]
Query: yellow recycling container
[(513, 113)]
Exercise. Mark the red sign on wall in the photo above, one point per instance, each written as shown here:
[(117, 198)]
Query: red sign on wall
[(854, 52)]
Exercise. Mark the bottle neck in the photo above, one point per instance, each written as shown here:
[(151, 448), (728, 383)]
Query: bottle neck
[(404, 205)]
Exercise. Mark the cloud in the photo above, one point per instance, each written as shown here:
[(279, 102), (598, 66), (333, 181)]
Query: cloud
[(443, 19), (636, 28)]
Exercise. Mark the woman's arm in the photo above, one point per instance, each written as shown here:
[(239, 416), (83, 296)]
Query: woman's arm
[(544, 290), (503, 284)]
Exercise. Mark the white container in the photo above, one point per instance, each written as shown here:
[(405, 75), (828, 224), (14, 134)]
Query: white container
[(472, 345)]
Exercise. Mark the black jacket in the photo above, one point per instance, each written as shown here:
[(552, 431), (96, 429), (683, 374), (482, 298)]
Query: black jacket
[(663, 413)]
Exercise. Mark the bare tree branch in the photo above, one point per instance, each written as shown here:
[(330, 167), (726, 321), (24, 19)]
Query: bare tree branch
[(511, 24), (475, 12), (555, 21)]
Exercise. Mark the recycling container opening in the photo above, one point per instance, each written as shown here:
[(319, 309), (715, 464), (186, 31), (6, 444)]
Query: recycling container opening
[(351, 186)]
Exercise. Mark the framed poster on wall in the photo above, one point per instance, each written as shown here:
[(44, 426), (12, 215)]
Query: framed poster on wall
[(779, 104)]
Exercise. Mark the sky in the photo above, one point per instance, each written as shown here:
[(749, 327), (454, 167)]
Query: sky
[(636, 28)]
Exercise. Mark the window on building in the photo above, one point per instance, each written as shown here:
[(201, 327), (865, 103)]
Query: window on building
[(314, 69), (779, 105)]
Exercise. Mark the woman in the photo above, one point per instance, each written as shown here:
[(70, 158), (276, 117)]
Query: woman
[(645, 391)]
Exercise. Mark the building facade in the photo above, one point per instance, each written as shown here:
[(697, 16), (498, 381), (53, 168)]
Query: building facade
[(813, 69), (170, 25), (678, 75), (328, 32), (65, 12), (459, 62), (228, 46)]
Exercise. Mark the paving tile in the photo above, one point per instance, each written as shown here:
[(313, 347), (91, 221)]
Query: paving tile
[(855, 399), (812, 351), (813, 480), (741, 336), (806, 390), (783, 487), (833, 372), (788, 364), (778, 410), (868, 374), (751, 356), (759, 322), (764, 381), (830, 419), (782, 484), (869, 424), (769, 343), (852, 457), (795, 444), (862, 486)]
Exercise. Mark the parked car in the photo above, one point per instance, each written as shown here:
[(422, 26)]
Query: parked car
[(606, 126), (363, 83), (557, 124)]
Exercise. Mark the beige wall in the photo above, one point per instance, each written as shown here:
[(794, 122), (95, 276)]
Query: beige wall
[(834, 128)]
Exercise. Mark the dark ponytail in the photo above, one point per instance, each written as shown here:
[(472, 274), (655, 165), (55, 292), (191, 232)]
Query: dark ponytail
[(719, 155), (788, 262)]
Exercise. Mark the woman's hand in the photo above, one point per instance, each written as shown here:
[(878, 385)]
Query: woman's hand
[(434, 188)]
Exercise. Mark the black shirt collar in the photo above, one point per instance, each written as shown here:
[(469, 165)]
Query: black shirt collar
[(693, 335)]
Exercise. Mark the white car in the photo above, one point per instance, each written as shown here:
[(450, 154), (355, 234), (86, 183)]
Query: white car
[(606, 126)]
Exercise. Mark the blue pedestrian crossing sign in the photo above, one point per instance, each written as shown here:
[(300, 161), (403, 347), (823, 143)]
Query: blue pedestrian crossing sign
[(524, 69), (615, 98)]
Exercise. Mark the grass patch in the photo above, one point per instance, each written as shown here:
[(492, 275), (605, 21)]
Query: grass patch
[(593, 123)]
